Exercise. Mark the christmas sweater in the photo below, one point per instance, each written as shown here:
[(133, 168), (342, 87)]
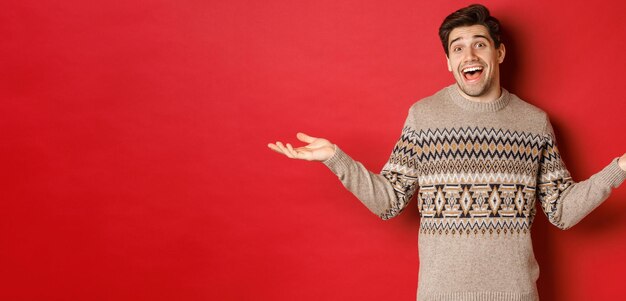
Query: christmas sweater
[(478, 169)]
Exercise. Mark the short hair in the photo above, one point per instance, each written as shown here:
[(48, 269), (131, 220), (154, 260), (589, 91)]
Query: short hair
[(475, 14)]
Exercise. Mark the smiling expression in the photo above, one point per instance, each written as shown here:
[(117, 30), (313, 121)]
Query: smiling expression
[(475, 62)]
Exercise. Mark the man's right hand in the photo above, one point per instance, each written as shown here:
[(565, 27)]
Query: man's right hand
[(318, 149)]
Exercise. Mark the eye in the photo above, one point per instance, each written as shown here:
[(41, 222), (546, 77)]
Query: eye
[(456, 49), (481, 45)]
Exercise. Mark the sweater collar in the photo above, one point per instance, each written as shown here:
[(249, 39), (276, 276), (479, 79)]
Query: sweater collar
[(475, 106)]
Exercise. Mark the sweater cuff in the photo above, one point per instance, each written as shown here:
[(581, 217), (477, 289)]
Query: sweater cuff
[(612, 175), (339, 162)]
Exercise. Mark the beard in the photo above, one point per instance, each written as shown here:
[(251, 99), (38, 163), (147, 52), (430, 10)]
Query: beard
[(475, 90)]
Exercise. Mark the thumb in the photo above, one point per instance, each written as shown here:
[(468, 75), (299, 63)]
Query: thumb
[(305, 138)]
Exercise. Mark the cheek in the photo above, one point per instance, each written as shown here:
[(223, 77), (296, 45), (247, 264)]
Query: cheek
[(452, 65)]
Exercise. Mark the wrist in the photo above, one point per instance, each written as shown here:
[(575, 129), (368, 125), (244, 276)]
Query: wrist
[(332, 153)]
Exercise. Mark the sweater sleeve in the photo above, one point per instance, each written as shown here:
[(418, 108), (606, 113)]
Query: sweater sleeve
[(385, 194), (564, 201)]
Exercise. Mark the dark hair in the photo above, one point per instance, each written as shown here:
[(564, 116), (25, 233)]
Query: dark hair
[(475, 14)]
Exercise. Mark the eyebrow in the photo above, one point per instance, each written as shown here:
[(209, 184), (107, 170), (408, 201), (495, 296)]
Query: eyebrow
[(474, 36)]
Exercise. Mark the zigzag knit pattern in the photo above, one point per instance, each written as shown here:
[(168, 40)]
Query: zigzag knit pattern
[(476, 180)]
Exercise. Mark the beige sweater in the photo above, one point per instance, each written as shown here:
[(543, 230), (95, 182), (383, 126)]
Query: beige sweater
[(478, 168)]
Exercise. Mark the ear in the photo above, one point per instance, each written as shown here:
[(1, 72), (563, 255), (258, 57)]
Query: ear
[(448, 63), (501, 53)]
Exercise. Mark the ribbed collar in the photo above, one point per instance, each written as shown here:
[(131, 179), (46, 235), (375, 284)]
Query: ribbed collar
[(476, 106)]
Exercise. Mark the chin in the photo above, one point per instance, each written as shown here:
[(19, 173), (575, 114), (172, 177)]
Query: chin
[(473, 91)]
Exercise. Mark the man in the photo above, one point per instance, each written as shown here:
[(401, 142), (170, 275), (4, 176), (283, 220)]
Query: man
[(480, 157)]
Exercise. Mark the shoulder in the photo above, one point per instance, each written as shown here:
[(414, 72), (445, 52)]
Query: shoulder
[(533, 115), (526, 107), (430, 103)]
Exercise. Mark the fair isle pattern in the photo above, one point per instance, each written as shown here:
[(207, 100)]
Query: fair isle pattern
[(467, 143), (554, 179), (404, 187), (476, 180), (474, 209)]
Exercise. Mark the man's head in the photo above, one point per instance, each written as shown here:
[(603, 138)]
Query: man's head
[(471, 39), (474, 14)]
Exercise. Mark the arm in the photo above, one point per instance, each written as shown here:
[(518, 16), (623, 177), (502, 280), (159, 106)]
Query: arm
[(564, 201), (385, 194)]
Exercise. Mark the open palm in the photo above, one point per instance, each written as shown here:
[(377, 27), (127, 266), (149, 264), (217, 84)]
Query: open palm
[(317, 149)]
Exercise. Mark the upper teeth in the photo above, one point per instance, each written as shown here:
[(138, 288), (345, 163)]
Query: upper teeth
[(472, 69)]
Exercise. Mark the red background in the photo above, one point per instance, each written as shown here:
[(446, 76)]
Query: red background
[(133, 135)]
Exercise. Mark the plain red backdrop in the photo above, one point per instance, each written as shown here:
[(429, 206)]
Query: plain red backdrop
[(133, 135)]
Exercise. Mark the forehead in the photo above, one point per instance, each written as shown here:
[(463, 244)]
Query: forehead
[(468, 33)]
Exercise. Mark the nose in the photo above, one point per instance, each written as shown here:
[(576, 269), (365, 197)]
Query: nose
[(469, 55)]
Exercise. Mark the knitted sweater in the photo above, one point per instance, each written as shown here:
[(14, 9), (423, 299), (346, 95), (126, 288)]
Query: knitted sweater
[(478, 168)]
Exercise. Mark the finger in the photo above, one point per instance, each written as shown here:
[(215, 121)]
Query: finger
[(293, 152), (305, 138), (284, 150), (275, 148)]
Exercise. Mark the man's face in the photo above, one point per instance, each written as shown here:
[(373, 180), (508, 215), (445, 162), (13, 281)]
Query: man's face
[(474, 61)]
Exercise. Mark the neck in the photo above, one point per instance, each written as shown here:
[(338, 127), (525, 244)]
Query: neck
[(466, 103), (492, 94)]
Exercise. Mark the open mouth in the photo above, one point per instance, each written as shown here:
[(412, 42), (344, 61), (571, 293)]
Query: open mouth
[(472, 73)]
